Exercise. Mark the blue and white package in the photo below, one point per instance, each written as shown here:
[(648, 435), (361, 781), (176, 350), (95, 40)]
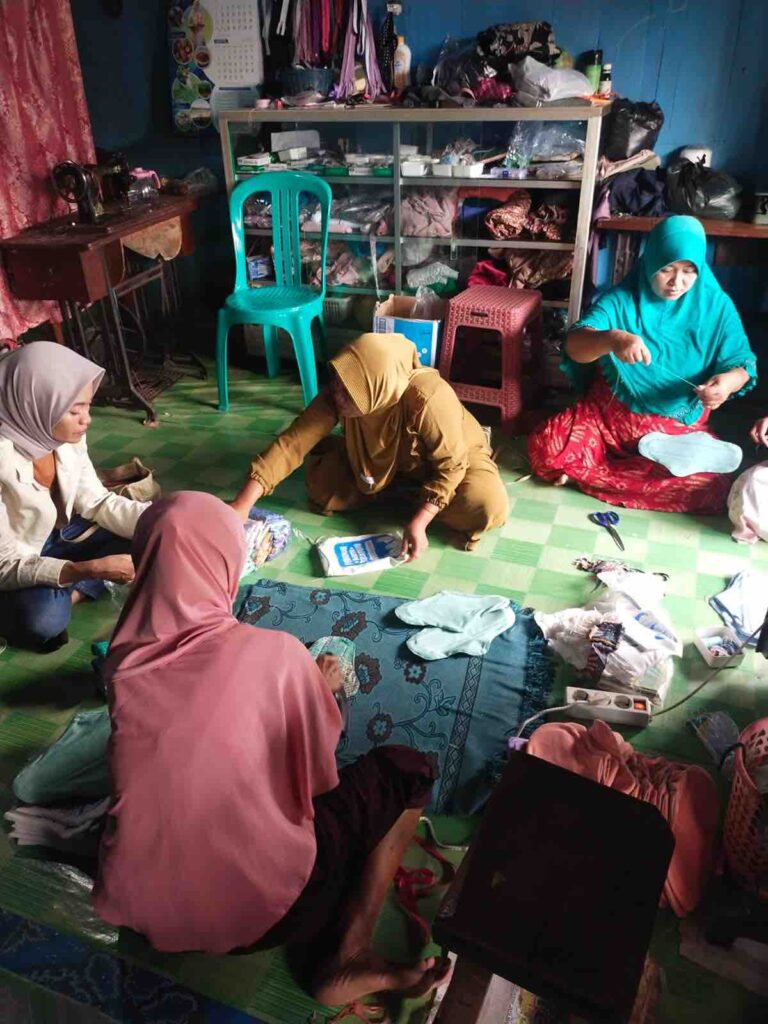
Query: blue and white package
[(370, 552)]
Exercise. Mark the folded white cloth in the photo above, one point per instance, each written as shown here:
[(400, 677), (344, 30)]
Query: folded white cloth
[(460, 623)]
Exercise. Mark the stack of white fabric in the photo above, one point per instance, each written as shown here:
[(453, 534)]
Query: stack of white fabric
[(70, 829)]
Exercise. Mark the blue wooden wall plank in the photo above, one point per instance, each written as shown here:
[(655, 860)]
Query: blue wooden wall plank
[(703, 60), (743, 129)]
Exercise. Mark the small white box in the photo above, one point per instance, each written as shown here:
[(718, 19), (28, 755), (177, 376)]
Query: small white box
[(443, 170), (294, 153), (719, 633), (468, 170), (414, 168), (254, 160)]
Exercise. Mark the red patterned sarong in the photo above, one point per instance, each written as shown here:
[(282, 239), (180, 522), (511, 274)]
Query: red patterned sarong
[(595, 444)]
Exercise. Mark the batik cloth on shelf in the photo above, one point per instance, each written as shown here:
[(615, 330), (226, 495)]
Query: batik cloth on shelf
[(502, 44), (428, 212)]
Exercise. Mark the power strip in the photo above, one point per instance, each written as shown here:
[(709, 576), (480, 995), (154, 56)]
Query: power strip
[(617, 708)]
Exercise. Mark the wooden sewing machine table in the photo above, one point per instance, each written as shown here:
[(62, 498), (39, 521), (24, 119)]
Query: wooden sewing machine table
[(83, 267)]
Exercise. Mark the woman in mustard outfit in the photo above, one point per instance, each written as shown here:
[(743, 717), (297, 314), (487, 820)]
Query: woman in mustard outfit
[(400, 421)]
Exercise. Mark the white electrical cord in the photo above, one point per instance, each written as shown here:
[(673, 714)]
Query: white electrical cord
[(546, 711)]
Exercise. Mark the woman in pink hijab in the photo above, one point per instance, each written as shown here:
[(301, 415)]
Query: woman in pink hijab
[(230, 827)]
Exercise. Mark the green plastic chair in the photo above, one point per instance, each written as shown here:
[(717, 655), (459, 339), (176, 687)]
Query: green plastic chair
[(288, 303)]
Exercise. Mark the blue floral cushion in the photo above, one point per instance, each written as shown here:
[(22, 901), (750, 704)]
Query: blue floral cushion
[(460, 710)]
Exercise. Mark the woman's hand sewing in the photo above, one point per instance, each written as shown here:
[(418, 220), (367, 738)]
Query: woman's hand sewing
[(112, 569), (330, 666), (714, 392), (759, 432), (630, 348)]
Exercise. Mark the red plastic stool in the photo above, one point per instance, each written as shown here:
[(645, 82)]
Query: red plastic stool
[(508, 311)]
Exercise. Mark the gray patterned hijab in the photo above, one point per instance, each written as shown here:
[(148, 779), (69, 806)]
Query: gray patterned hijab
[(38, 384)]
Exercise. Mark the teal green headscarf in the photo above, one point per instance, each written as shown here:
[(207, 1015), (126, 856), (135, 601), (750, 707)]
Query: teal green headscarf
[(695, 336)]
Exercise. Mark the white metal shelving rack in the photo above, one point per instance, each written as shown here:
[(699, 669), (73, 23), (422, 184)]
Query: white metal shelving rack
[(235, 123)]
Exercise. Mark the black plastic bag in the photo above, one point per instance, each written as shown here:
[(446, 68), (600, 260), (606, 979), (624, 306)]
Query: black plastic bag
[(632, 127), (702, 191)]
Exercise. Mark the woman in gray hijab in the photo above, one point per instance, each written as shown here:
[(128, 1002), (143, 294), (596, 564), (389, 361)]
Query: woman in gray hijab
[(62, 533)]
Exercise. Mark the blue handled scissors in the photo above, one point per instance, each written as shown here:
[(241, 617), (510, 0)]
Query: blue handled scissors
[(609, 520)]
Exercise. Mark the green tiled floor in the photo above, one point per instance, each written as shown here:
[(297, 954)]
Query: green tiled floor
[(530, 559)]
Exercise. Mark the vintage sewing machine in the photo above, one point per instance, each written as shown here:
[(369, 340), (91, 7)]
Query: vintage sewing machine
[(98, 190)]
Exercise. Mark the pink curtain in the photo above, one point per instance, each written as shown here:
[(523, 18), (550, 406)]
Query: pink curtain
[(43, 120)]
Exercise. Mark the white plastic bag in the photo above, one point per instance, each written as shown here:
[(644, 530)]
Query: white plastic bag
[(642, 659), (536, 83), (748, 505)]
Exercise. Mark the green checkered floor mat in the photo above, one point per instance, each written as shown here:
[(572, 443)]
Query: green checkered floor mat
[(530, 560)]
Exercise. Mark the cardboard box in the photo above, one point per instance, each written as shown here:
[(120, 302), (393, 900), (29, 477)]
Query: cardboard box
[(392, 316)]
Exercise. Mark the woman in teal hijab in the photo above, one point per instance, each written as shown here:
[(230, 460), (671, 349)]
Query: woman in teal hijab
[(655, 354)]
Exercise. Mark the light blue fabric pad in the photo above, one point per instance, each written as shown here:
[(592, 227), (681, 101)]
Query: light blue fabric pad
[(686, 454), (463, 623)]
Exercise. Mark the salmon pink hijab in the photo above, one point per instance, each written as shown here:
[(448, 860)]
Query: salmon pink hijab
[(222, 735)]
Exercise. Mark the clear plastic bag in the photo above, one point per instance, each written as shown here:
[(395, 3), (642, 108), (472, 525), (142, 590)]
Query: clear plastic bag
[(429, 305), (559, 170), (202, 181), (520, 148), (551, 141), (364, 212), (537, 84)]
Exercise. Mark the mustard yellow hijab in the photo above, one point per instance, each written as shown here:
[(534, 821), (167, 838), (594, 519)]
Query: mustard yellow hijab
[(376, 369)]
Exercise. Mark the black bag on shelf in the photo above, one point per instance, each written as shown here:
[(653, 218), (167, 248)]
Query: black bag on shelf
[(632, 127), (701, 191)]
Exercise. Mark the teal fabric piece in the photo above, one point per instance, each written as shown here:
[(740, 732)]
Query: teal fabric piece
[(686, 454), (461, 623), (696, 336), (74, 768)]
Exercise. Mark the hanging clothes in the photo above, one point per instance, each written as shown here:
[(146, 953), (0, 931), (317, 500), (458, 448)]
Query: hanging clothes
[(359, 48)]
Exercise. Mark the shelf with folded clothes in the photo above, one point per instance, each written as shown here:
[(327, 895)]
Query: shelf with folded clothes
[(385, 180), (336, 236), (493, 243), (448, 212), (428, 181)]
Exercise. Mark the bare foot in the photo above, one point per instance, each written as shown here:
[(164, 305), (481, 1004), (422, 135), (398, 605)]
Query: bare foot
[(77, 596), (562, 480), (345, 979)]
